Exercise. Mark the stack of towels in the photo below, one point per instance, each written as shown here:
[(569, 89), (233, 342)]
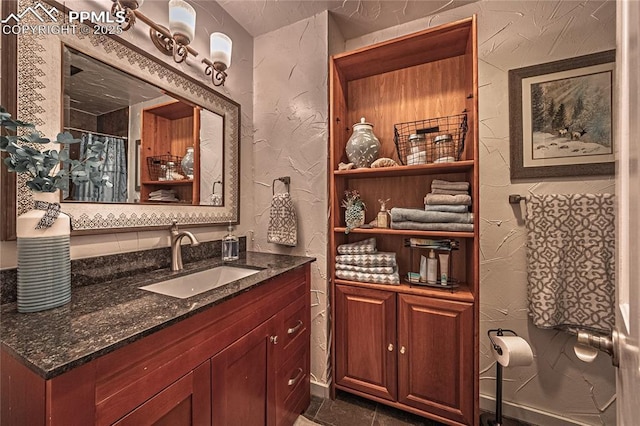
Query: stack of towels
[(168, 195), (446, 209), (360, 261)]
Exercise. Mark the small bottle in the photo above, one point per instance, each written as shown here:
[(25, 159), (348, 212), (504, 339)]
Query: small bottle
[(432, 268), (230, 246), (382, 220)]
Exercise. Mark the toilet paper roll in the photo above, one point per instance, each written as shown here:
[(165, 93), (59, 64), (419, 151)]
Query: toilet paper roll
[(516, 352)]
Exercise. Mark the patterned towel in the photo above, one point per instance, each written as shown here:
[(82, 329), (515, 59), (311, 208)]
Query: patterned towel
[(367, 260), (366, 269), (571, 260), (283, 223), (359, 247), (368, 278)]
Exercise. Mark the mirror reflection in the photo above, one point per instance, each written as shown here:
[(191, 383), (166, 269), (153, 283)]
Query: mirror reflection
[(159, 148)]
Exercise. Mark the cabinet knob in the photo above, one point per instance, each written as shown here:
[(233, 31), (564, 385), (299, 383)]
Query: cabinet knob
[(402, 350), (296, 328), (274, 339), (390, 347)]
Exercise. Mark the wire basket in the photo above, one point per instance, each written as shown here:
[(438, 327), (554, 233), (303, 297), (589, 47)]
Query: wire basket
[(434, 140), (160, 166)]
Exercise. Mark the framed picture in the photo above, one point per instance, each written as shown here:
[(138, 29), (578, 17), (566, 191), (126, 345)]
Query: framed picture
[(561, 117)]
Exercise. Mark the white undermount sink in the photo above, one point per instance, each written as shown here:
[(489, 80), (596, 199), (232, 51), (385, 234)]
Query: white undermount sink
[(199, 282)]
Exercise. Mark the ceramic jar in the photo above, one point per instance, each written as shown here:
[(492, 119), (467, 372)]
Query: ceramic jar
[(363, 146)]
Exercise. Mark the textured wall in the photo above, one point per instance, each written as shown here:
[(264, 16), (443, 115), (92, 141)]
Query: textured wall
[(239, 87), (290, 119), (514, 34)]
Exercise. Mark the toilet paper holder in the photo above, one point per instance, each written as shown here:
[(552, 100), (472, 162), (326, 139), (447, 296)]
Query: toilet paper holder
[(499, 332)]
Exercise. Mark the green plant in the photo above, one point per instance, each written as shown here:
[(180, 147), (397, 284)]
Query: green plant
[(352, 200), (50, 169)]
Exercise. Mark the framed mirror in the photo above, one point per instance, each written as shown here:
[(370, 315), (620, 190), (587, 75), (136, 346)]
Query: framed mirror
[(202, 118)]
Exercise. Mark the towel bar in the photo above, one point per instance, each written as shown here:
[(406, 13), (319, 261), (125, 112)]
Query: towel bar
[(515, 199), (285, 179)]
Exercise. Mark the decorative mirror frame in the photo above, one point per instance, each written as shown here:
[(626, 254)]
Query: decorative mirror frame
[(39, 83)]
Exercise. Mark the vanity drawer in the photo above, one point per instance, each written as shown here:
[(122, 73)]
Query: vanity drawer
[(296, 316), (292, 387)]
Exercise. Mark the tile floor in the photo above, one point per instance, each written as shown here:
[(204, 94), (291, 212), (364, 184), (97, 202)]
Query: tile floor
[(351, 410)]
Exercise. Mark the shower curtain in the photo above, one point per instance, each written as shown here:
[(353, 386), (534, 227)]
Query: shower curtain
[(115, 167)]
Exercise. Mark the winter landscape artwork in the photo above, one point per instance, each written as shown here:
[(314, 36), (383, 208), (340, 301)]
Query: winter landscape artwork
[(561, 117)]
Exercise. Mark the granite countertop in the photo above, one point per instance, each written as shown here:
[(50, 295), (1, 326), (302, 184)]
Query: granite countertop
[(104, 317)]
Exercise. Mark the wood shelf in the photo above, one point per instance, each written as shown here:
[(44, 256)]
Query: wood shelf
[(422, 169), (168, 182), (461, 293), (406, 232)]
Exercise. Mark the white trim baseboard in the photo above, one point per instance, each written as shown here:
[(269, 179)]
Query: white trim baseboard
[(320, 390), (527, 414)]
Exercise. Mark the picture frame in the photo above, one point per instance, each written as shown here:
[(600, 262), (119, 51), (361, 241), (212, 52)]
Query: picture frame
[(561, 117)]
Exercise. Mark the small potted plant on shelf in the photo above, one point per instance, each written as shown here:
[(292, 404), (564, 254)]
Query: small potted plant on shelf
[(355, 207), (44, 232)]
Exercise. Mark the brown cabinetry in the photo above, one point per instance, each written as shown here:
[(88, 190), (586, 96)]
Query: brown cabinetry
[(167, 131), (409, 346), (244, 362)]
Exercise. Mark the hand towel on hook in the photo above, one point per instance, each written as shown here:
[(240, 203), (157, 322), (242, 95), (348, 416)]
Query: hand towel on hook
[(571, 260), (283, 223)]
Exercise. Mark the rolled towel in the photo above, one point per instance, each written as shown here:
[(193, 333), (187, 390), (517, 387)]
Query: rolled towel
[(445, 184), (448, 191), (399, 214), (446, 208), (367, 260), (420, 226), (460, 199), (359, 247), (365, 269)]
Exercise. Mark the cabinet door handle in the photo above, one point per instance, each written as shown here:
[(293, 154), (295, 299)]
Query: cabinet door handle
[(390, 347), (402, 350), (293, 381), (274, 339), (295, 329)]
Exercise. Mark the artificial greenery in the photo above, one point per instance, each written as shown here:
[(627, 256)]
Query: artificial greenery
[(49, 170)]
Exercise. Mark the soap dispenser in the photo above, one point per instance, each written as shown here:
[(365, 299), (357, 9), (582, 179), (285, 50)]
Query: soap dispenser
[(230, 246), (383, 220)]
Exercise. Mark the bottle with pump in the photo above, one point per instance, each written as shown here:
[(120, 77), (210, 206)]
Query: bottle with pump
[(383, 218), (432, 268), (230, 246)]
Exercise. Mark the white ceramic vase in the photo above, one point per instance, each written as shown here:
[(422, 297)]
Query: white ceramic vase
[(44, 260)]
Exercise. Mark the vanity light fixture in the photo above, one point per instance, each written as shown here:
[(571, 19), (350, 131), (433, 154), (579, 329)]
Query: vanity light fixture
[(220, 50), (175, 39)]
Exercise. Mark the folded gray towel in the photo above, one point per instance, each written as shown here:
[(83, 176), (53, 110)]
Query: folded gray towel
[(399, 214), (445, 184), (359, 247), (419, 226), (464, 200), (375, 259), (366, 269), (446, 208), (448, 191)]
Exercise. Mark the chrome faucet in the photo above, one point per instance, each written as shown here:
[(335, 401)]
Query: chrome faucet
[(176, 249)]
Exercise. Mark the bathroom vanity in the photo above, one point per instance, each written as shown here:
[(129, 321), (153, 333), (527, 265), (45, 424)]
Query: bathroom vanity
[(117, 354)]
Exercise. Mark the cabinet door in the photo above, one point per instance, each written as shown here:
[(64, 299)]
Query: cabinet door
[(242, 379), (435, 356), (186, 402), (365, 327)]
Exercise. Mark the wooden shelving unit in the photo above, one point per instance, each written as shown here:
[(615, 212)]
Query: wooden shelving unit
[(408, 346)]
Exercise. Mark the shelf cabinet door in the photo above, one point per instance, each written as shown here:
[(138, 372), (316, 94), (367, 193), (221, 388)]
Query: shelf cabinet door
[(365, 327), (186, 402), (435, 356), (242, 379)]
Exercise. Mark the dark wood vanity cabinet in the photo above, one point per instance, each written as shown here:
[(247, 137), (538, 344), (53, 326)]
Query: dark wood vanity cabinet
[(242, 362)]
